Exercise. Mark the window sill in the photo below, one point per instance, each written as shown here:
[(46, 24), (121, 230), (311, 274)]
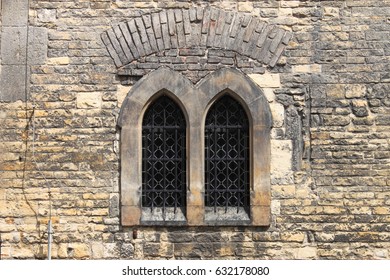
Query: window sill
[(159, 217)]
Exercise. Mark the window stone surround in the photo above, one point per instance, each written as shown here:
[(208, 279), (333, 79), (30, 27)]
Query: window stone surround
[(195, 100)]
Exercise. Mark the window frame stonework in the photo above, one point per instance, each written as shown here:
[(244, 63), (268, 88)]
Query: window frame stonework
[(194, 101)]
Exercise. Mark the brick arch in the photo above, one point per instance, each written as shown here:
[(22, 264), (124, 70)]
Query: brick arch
[(195, 28)]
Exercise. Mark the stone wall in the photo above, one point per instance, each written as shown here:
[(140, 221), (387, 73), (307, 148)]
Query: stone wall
[(60, 97)]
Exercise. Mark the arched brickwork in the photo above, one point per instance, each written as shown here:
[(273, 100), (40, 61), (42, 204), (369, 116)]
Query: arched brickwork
[(195, 28)]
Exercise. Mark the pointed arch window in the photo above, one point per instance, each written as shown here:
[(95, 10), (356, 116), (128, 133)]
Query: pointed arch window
[(164, 158), (195, 155), (227, 167)]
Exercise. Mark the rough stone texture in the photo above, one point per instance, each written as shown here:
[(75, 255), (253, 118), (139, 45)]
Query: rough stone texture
[(330, 149), (243, 31), (14, 12)]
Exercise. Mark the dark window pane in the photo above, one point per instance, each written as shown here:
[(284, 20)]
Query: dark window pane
[(227, 155), (163, 155)]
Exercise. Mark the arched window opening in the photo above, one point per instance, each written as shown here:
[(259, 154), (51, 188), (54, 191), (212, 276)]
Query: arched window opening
[(195, 155), (227, 166), (164, 157)]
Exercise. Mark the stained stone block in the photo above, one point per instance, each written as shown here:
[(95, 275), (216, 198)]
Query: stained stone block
[(37, 45), (13, 83), (13, 45), (14, 12)]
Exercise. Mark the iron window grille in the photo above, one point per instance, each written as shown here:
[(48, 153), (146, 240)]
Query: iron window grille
[(227, 156), (164, 156)]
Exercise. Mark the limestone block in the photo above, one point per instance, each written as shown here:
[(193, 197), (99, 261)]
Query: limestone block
[(78, 251), (275, 207), (277, 111), (97, 249), (122, 92), (360, 108), (269, 94), (355, 91), (325, 237), (336, 91), (13, 83), (96, 196), (58, 61), (293, 236), (13, 45), (266, 80), (37, 45), (111, 250), (22, 253), (127, 251), (307, 253), (87, 100), (290, 4), (332, 12), (47, 15), (14, 12), (281, 154), (245, 6), (307, 68), (381, 253), (382, 210), (336, 120), (284, 191)]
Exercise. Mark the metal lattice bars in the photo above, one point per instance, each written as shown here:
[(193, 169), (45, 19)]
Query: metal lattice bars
[(163, 155), (227, 155)]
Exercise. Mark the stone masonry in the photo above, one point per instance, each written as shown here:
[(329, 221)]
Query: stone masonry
[(67, 66)]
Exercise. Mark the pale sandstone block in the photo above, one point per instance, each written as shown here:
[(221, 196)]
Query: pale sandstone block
[(245, 7), (281, 153), (293, 236), (89, 100), (269, 94), (289, 4), (266, 80), (275, 207), (355, 91), (122, 92), (79, 250), (97, 250), (307, 68), (277, 111), (285, 191), (58, 61), (307, 253), (332, 12), (336, 91)]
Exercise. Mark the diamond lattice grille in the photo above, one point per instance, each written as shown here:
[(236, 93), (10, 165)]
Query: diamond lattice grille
[(163, 155), (227, 155)]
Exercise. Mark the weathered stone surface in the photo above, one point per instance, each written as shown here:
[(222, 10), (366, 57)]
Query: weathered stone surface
[(37, 46), (14, 45), (89, 100), (14, 12), (13, 83), (326, 81), (175, 28), (266, 80)]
